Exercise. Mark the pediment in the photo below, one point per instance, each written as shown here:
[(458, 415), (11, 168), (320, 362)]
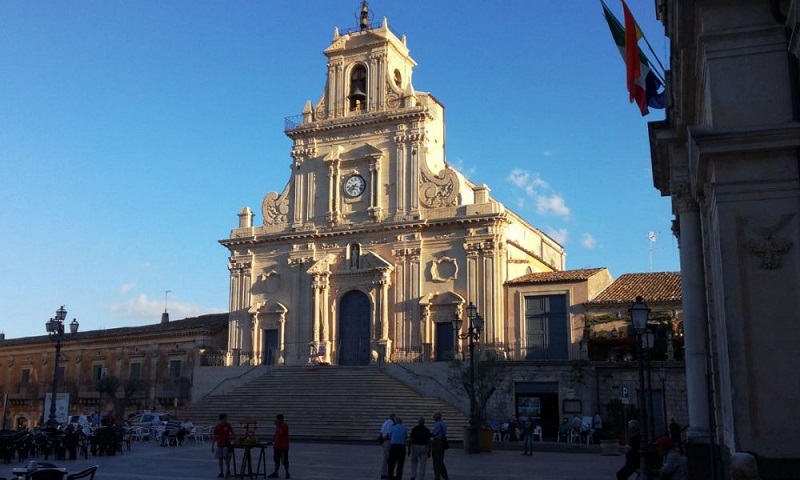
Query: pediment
[(443, 298), (268, 307), (373, 261), (365, 150), (356, 40), (323, 265)]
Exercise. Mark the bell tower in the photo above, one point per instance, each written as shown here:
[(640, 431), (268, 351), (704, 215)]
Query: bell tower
[(369, 70)]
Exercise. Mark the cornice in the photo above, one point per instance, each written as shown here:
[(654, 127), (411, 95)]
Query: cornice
[(371, 118), (351, 230)]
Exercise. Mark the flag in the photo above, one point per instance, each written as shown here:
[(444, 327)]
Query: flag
[(643, 84)]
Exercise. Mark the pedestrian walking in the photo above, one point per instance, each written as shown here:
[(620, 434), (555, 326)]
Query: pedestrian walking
[(383, 440), (280, 446), (420, 443), (440, 444), (397, 449)]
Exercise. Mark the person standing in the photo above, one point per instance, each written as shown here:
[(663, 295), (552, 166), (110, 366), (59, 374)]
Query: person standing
[(223, 433), (280, 446), (439, 435), (420, 441), (632, 458), (398, 438), (7, 420), (383, 439), (597, 427), (527, 435)]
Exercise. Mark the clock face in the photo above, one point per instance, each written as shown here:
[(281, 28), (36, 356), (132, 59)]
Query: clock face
[(354, 186)]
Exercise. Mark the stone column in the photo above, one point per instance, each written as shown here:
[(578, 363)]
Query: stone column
[(281, 360), (695, 319)]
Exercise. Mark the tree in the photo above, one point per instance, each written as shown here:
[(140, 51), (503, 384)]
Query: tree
[(110, 385), (488, 375)]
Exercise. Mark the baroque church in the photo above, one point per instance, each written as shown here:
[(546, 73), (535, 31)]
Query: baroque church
[(376, 242)]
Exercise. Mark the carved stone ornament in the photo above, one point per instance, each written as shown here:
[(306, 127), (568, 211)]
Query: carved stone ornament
[(269, 282), (767, 246), (439, 190), (444, 269), (275, 209)]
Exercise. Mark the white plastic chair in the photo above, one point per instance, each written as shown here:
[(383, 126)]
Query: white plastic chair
[(537, 432), (496, 436)]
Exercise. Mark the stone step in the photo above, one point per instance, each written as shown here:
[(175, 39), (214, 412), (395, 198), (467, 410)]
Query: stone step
[(327, 403)]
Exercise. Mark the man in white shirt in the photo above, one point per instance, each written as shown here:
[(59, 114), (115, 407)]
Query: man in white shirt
[(385, 440)]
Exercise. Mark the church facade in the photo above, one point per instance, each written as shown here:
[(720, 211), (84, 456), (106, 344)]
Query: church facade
[(376, 242)]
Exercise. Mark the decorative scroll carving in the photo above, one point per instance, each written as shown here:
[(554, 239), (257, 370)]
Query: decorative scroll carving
[(440, 190), (769, 248), (275, 209)]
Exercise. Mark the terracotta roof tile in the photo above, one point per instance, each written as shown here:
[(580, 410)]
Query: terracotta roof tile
[(556, 277), (658, 287), (214, 322)]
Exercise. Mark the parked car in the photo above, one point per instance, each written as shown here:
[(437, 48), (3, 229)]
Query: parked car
[(151, 419)]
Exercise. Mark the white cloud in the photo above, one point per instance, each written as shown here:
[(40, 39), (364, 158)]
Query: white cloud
[(558, 234), (553, 203), (459, 165), (588, 241), (547, 200), (127, 287), (548, 153), (145, 309)]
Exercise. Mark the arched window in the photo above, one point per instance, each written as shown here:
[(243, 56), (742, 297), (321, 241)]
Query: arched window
[(358, 89)]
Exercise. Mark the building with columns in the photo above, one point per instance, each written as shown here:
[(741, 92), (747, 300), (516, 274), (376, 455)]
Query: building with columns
[(727, 154), (376, 242)]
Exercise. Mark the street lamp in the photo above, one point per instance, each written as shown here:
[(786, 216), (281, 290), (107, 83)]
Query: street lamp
[(473, 333), (639, 314), (55, 328)]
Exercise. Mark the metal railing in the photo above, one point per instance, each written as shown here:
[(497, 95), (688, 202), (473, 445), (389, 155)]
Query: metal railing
[(363, 352), (342, 111)]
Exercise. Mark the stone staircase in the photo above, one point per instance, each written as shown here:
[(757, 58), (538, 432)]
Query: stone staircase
[(330, 403)]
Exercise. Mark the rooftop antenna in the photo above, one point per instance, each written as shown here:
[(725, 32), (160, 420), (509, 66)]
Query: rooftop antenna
[(165, 315), (652, 237), (365, 17)]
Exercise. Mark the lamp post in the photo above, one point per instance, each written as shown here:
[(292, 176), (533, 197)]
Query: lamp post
[(639, 314), (473, 333), (648, 340), (55, 328)]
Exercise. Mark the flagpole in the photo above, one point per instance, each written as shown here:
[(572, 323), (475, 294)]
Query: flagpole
[(655, 55)]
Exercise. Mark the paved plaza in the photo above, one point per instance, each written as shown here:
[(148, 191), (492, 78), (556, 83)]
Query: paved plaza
[(317, 461)]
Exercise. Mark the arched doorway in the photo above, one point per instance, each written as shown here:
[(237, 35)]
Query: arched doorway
[(354, 329)]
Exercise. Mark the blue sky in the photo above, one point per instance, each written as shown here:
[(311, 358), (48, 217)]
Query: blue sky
[(132, 133)]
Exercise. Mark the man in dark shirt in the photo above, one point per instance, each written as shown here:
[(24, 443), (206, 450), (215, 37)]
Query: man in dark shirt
[(420, 441), (632, 452)]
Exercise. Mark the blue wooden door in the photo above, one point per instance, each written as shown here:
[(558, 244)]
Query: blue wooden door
[(270, 347), (354, 329), (444, 350)]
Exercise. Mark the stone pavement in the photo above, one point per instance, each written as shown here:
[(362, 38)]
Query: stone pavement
[(318, 461)]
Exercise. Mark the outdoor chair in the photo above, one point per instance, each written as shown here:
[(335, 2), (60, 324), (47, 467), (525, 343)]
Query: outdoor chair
[(46, 474), (88, 473), (496, 436), (537, 432)]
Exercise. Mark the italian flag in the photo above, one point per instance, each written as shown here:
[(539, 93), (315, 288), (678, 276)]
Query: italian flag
[(642, 83)]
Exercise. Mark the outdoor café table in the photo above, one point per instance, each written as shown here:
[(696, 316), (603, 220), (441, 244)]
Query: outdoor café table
[(245, 467)]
